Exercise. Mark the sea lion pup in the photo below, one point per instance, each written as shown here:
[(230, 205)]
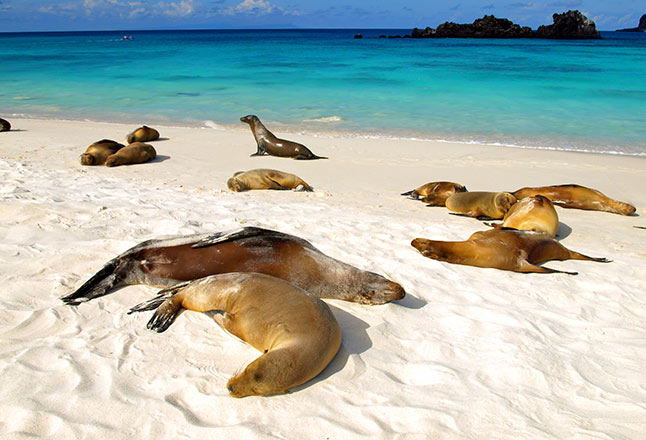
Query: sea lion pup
[(4, 125), (296, 332), (137, 152), (532, 214), (505, 249), (270, 144), (163, 263), (98, 152), (481, 203), (435, 193), (142, 134), (579, 197), (263, 178)]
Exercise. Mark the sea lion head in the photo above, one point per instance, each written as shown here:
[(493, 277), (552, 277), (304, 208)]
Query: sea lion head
[(426, 247), (372, 288), (504, 201), (87, 159), (235, 184), (249, 119), (112, 161), (262, 376)]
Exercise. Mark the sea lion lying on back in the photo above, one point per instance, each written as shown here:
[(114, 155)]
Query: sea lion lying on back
[(505, 249), (4, 125), (481, 204), (435, 193), (295, 331), (98, 152), (532, 214), (142, 134), (163, 263), (269, 144), (263, 178), (136, 152), (579, 197)]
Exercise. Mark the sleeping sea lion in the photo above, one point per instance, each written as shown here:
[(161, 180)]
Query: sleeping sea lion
[(136, 152), (295, 331), (273, 146), (4, 125), (163, 263), (481, 204), (435, 193), (142, 134), (532, 214), (505, 249), (263, 178), (98, 152), (579, 197)]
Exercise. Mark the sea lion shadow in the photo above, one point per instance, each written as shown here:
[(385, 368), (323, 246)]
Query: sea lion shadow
[(563, 231), (411, 302), (14, 130), (160, 158), (161, 139)]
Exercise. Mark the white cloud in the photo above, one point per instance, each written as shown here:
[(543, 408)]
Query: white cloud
[(257, 7), (177, 9)]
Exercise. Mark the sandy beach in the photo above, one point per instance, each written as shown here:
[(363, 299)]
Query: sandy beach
[(469, 353)]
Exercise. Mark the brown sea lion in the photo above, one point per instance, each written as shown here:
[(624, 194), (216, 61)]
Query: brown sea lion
[(435, 193), (273, 146), (163, 263), (295, 331), (481, 203), (137, 152), (142, 134), (532, 214), (98, 152), (4, 125), (578, 197), (263, 178), (505, 249)]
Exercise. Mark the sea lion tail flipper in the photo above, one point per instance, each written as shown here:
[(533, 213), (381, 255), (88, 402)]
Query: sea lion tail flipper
[(168, 307), (103, 281), (408, 193), (155, 302), (236, 234), (578, 256)]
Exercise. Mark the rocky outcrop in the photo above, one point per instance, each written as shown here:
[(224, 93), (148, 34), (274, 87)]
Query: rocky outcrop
[(569, 25), (640, 28)]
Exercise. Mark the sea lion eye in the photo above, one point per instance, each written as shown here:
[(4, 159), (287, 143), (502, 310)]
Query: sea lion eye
[(231, 388), (257, 376)]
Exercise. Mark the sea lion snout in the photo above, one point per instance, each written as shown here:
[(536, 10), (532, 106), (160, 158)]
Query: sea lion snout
[(248, 118)]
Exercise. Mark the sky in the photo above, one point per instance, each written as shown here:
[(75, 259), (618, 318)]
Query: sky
[(73, 15)]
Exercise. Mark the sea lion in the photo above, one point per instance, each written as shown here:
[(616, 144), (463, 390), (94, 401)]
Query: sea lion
[(273, 146), (435, 193), (579, 197), (481, 204), (4, 125), (532, 214), (505, 249), (98, 152), (142, 134), (163, 263), (296, 332), (137, 152), (263, 178)]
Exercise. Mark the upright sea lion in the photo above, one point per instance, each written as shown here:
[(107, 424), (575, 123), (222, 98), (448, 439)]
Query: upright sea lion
[(136, 152), (532, 214), (505, 249), (435, 193), (579, 197), (98, 152), (481, 204), (296, 332), (163, 263), (270, 144), (263, 178), (142, 134), (4, 125)]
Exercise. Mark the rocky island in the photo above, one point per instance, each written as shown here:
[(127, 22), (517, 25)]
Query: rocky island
[(640, 28)]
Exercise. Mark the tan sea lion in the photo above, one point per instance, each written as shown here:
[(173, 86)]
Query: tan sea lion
[(505, 249), (98, 152), (4, 125), (296, 332), (163, 263), (532, 214), (435, 193), (273, 146), (481, 204), (137, 152), (142, 134), (579, 197), (263, 178)]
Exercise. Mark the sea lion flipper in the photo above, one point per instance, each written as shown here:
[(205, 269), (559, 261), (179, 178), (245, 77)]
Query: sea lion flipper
[(155, 302), (408, 193), (236, 234)]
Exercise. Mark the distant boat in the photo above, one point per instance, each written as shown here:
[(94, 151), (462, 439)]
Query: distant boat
[(127, 37)]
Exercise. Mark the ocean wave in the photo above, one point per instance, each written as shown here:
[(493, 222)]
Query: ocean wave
[(326, 119), (213, 125)]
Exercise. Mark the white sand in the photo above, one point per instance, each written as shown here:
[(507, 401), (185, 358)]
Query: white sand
[(469, 353)]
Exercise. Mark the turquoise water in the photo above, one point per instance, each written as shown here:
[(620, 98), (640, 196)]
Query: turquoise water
[(581, 95)]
